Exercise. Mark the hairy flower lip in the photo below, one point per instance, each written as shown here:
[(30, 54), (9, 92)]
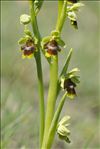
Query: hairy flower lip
[(52, 52), (70, 87), (69, 83), (52, 47), (28, 49)]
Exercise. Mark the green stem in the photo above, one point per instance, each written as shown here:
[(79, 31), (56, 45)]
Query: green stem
[(34, 21), (60, 5), (53, 126), (39, 72), (41, 100), (51, 97), (53, 78), (61, 15)]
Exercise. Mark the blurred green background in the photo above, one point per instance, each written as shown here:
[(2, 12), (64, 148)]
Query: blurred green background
[(20, 113)]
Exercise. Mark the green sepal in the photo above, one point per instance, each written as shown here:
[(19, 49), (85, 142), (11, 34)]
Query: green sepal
[(45, 40), (75, 79), (73, 71), (28, 37), (60, 42), (72, 76), (22, 40)]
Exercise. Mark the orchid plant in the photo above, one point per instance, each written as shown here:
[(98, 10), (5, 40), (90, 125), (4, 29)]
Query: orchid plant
[(32, 44)]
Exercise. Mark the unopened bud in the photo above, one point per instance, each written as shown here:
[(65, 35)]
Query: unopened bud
[(25, 19)]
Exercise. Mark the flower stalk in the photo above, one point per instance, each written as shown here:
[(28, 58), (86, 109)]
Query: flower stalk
[(61, 15), (53, 126), (51, 100)]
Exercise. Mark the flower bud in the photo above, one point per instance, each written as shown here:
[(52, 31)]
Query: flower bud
[(62, 129), (25, 19)]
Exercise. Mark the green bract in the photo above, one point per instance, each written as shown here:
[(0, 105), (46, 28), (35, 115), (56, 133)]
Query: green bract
[(37, 5), (25, 19), (22, 40)]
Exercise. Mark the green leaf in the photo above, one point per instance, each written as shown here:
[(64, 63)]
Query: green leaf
[(67, 62)]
